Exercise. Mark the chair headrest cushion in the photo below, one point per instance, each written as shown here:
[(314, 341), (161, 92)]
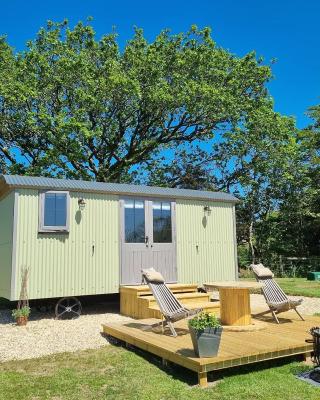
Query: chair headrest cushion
[(261, 271), (152, 275)]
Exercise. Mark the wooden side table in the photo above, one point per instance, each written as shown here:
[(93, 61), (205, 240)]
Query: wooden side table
[(234, 301)]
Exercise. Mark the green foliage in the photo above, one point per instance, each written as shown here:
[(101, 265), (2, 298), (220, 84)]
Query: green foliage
[(243, 256), (75, 106), (21, 312), (191, 169), (204, 320), (272, 167), (292, 227), (178, 111), (246, 273)]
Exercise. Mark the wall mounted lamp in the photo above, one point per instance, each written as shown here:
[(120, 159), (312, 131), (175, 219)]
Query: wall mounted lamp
[(81, 204), (207, 210)]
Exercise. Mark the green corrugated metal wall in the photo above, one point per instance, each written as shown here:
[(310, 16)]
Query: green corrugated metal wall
[(6, 233), (205, 244), (68, 264)]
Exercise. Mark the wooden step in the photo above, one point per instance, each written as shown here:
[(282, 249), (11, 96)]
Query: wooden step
[(131, 303), (193, 297), (208, 306), (190, 300), (143, 290)]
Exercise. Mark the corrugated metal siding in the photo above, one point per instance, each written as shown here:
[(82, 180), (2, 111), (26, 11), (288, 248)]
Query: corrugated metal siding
[(67, 264), (32, 182), (6, 233), (205, 245)]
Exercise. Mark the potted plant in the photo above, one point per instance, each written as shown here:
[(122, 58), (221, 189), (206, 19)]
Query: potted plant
[(205, 330), (21, 315)]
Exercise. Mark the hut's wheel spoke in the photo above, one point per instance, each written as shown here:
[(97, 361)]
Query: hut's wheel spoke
[(68, 308), (61, 313)]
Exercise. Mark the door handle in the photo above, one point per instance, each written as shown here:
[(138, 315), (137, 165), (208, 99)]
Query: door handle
[(146, 240)]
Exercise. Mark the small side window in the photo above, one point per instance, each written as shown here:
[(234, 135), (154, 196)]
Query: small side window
[(54, 212)]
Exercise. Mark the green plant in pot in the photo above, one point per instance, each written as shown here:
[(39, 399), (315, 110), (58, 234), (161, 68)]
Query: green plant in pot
[(21, 315), (205, 330)]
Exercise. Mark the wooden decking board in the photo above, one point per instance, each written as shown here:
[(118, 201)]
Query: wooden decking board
[(237, 348), (143, 290), (140, 341), (209, 305)]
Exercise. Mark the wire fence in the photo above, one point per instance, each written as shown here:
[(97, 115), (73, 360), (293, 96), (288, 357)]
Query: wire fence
[(291, 267)]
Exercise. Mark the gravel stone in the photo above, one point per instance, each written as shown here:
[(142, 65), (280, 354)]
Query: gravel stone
[(44, 335), (309, 306)]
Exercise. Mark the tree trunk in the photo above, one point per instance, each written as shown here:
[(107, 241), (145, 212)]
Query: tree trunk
[(253, 258)]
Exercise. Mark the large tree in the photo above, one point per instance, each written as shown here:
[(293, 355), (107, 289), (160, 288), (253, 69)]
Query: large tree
[(298, 221), (259, 161), (75, 106)]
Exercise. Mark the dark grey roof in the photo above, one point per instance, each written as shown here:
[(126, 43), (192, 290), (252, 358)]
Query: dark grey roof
[(15, 181)]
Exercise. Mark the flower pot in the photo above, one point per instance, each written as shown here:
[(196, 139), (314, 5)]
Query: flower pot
[(21, 321), (206, 342)]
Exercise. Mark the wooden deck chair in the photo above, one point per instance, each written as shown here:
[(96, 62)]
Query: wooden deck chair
[(275, 297), (171, 309)]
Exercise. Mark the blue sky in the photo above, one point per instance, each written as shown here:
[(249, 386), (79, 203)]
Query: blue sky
[(284, 29)]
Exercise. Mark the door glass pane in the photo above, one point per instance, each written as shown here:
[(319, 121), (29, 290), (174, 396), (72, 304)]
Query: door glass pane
[(162, 230), (55, 209), (134, 221)]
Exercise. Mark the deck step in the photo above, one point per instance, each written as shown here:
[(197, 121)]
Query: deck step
[(135, 300), (208, 306), (143, 290), (193, 297)]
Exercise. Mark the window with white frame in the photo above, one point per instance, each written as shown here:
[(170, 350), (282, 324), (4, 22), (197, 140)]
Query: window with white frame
[(54, 211)]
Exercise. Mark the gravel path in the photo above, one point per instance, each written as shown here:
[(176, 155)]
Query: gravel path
[(44, 335), (309, 306)]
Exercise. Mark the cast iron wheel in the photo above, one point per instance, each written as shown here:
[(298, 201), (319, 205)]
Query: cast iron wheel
[(68, 308)]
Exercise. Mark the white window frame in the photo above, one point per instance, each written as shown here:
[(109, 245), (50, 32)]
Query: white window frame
[(52, 229)]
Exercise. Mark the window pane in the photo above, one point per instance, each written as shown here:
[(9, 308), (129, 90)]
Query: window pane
[(61, 210), (55, 209), (134, 221), (162, 229)]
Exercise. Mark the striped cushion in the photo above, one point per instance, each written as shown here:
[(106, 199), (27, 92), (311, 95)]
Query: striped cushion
[(261, 271), (152, 275)]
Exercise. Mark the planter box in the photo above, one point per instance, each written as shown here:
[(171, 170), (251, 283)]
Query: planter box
[(21, 321), (206, 343)]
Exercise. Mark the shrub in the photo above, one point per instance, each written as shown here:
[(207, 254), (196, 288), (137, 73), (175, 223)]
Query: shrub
[(246, 273), (21, 312), (204, 320), (244, 258)]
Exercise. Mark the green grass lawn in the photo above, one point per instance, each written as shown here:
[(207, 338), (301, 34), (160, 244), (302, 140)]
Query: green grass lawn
[(298, 286), (116, 373)]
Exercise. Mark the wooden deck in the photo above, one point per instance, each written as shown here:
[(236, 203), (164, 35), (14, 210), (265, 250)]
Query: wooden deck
[(236, 348)]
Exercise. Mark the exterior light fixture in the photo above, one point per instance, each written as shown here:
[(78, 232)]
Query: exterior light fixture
[(81, 204), (207, 210)]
